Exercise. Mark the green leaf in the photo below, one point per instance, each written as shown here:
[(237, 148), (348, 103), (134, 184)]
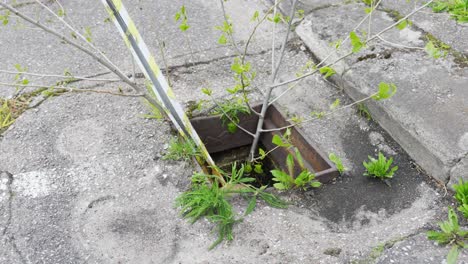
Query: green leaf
[(299, 158), (337, 161), (255, 16), (280, 176), (300, 13), (88, 35), (335, 104), (280, 186), (177, 16), (315, 184), (453, 255), (184, 27), (207, 91), (277, 141), (258, 168), (277, 18), (222, 39), (290, 164), (386, 90), (61, 12), (318, 115), (25, 81), (403, 24), (18, 67), (251, 206), (237, 67), (262, 153), (355, 42), (432, 51), (327, 72), (248, 168), (231, 127)]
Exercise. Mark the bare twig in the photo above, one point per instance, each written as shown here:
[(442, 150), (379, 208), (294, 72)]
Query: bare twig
[(166, 66), (273, 39), (70, 89), (399, 45), (231, 36), (317, 118), (62, 76), (266, 154)]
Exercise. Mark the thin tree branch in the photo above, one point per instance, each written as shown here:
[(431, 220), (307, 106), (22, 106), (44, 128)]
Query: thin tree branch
[(266, 99), (399, 45), (69, 89), (266, 154), (317, 118), (231, 36), (273, 40), (61, 76)]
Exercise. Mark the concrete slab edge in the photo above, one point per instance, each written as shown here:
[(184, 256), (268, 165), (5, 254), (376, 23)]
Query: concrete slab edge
[(423, 156)]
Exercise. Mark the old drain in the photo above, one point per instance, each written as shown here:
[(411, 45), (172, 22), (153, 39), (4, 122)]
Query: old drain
[(231, 145)]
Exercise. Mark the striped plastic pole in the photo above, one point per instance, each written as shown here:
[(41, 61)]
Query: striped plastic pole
[(158, 83)]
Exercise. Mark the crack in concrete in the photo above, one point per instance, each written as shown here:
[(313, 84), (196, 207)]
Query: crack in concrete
[(99, 200), (191, 65), (11, 237), (20, 5), (377, 251), (455, 163)]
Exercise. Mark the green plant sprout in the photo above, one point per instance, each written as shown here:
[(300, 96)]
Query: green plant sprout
[(450, 234), (155, 112), (379, 168), (461, 194), (5, 115), (288, 180), (180, 149), (338, 163)]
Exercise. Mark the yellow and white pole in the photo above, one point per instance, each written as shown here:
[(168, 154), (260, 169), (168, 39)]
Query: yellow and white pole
[(157, 81)]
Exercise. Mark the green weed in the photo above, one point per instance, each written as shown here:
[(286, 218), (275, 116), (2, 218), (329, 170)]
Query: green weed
[(154, 111), (10, 109), (180, 149), (379, 168), (461, 194), (450, 234), (458, 9), (288, 180), (337, 161), (207, 199), (364, 111)]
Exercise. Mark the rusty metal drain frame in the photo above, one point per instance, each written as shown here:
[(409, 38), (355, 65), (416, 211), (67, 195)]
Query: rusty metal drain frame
[(217, 139)]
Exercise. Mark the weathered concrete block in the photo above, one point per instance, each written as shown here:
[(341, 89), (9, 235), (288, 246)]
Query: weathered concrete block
[(428, 115)]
